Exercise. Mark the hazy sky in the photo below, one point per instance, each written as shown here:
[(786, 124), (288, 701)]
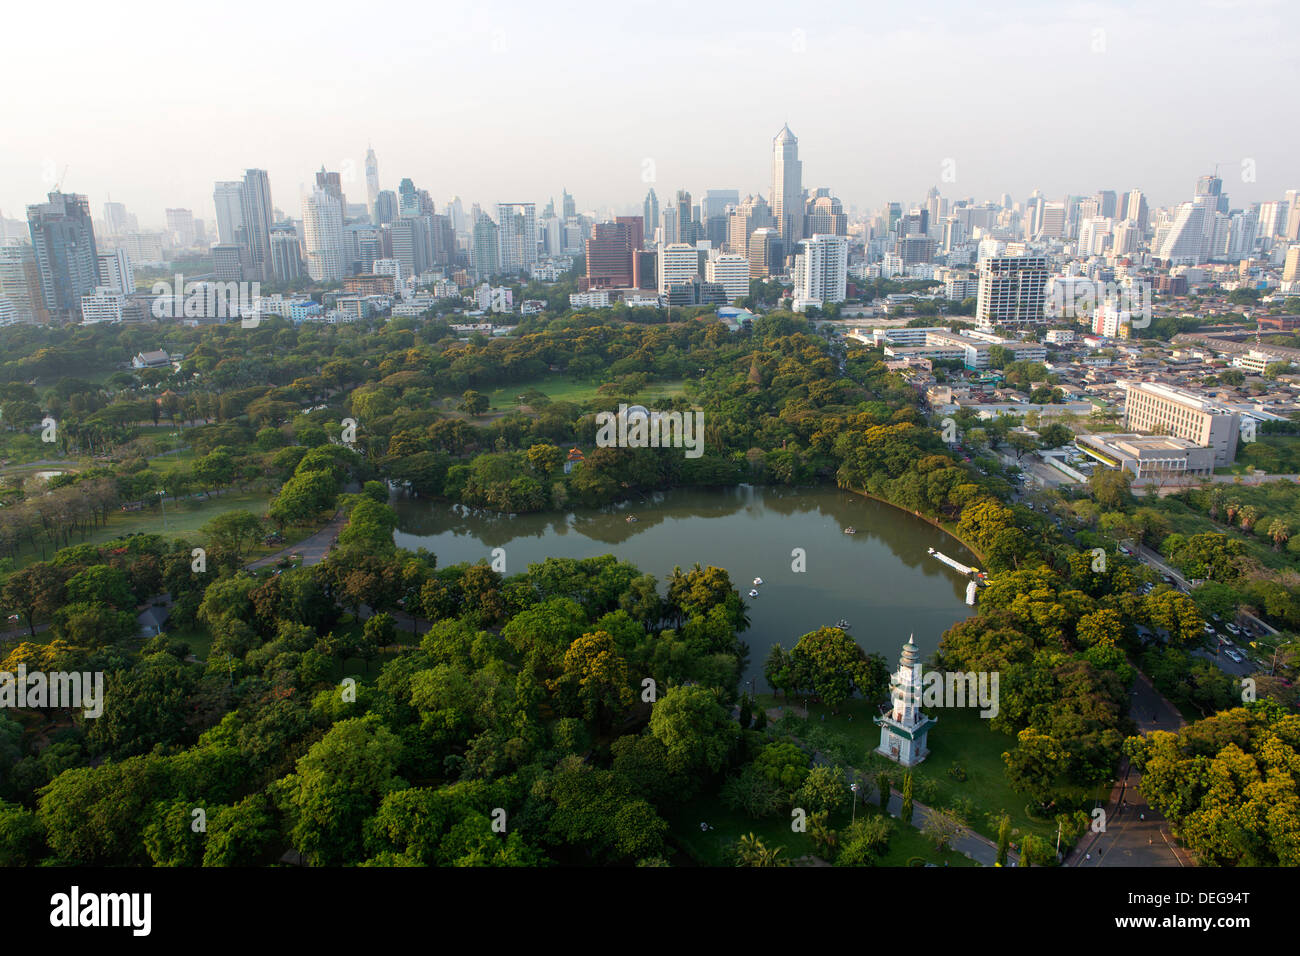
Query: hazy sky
[(152, 102)]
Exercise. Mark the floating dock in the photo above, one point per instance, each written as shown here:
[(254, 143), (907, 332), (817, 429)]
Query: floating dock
[(955, 565)]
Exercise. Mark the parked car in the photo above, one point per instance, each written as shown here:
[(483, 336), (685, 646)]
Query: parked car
[(1235, 656)]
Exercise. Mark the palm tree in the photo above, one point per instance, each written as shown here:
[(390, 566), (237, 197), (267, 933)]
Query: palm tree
[(1248, 515), (751, 851), (1280, 532)]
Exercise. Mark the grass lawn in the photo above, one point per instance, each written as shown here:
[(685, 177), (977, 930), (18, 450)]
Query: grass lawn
[(560, 389), (1185, 520), (183, 519), (960, 736), (1275, 454)]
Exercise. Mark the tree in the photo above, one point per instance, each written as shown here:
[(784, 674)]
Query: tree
[(695, 728), (595, 677), (884, 788), (829, 663), (36, 590), (1004, 839), (473, 402), (942, 827), (823, 789), (751, 851), (237, 531), (1036, 765), (1280, 532), (905, 813), (865, 841)]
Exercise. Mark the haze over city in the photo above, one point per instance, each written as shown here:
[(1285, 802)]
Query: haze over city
[(515, 101)]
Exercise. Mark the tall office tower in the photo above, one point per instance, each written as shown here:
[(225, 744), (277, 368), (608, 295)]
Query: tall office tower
[(64, 241), (385, 207), (1011, 291), (825, 216), (180, 223), (372, 183), (821, 270), (286, 255), (635, 226), (1135, 210), (1242, 230), (952, 232), (1291, 266), (1093, 233), (551, 234), (934, 207), (1108, 203), (517, 222), (668, 231), (1212, 186), (117, 222), (407, 236), (678, 262), (650, 213), (332, 183), (731, 271), (1190, 238), (228, 197), (1085, 209), (752, 213), (442, 240), (1292, 225), (322, 223), (609, 257), (257, 210), (408, 200), (20, 283), (787, 186), (115, 271), (456, 209), (1128, 239), (686, 231), (765, 250), (1053, 222), (1272, 219), (568, 207), (485, 251), (716, 201)]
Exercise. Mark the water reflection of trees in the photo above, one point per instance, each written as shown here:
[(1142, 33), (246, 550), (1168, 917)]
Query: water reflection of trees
[(904, 536)]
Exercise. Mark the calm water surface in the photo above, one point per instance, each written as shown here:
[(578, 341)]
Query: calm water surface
[(881, 580)]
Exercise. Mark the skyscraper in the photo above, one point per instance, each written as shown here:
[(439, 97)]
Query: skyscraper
[(20, 283), (385, 207), (517, 222), (686, 231), (372, 183), (332, 183), (1135, 210), (752, 213), (485, 250), (650, 213), (787, 186), (322, 223), (257, 212), (821, 271), (180, 223), (63, 238), (228, 197), (1011, 291), (568, 207)]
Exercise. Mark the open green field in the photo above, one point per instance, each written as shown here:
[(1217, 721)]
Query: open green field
[(716, 846), (559, 389), (1275, 454), (1185, 520), (183, 519), (961, 736)]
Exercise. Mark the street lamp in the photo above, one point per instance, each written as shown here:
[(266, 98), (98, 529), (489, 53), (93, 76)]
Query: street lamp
[(1276, 650), (854, 787), (162, 503)]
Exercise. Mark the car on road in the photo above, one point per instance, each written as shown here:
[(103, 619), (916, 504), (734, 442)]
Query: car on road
[(1207, 628), (1124, 550), (1235, 656), (1234, 630)]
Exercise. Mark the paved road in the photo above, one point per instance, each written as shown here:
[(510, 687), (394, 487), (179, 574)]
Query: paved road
[(968, 843), (1135, 834), (313, 549)]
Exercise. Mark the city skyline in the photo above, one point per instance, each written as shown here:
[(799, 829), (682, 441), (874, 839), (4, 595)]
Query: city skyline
[(1082, 80)]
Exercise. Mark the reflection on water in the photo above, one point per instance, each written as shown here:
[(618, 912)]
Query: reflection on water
[(881, 580)]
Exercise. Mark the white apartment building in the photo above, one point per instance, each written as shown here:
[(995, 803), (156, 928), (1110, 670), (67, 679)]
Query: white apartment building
[(103, 305), (1012, 291), (388, 267), (731, 272), (115, 271), (595, 299), (322, 223), (821, 271), (678, 262)]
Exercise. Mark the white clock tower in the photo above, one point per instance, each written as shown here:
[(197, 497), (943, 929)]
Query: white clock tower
[(904, 729)]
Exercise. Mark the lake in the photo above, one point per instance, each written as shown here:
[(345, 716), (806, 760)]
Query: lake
[(880, 580)]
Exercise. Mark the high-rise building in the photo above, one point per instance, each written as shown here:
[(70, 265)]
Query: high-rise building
[(752, 213), (322, 223), (63, 238), (678, 262), (568, 208), (1292, 225), (731, 271), (824, 215), (717, 201), (686, 224), (257, 212), (228, 197), (821, 271), (485, 250), (115, 271), (517, 225), (180, 224), (1291, 266), (1191, 236), (787, 186), (1135, 210), (609, 257), (117, 221), (765, 250), (1012, 291), (20, 283), (385, 207), (332, 183), (1107, 203), (372, 183), (286, 255), (1162, 409), (650, 213)]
